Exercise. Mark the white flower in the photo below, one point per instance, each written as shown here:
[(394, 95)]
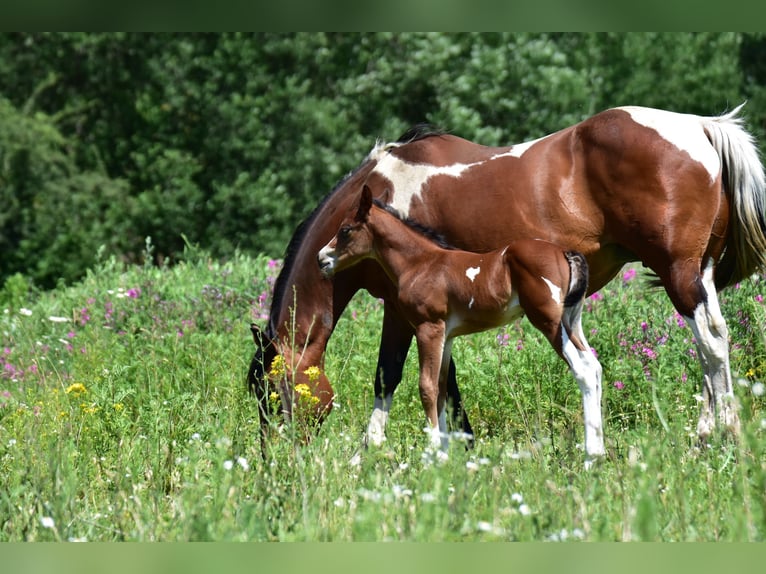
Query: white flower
[(472, 466), (517, 498), (47, 522), (26, 312), (524, 510), (228, 464), (54, 319), (242, 461), (758, 389)]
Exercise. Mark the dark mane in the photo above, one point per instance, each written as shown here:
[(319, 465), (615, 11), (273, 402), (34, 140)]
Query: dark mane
[(415, 133), (419, 132), (423, 230)]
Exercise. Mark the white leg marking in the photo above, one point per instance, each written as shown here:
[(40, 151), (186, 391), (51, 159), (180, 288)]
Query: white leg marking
[(587, 372), (376, 430), (555, 290), (709, 328)]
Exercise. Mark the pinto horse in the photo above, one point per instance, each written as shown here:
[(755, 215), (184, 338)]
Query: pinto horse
[(444, 293), (682, 194)]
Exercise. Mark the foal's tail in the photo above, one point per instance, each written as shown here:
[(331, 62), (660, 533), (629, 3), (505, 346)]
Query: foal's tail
[(744, 183), (578, 278)]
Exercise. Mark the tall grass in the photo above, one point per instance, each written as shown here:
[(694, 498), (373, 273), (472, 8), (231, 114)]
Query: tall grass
[(124, 416)]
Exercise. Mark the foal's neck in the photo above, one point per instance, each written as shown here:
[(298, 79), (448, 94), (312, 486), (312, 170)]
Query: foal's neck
[(399, 247)]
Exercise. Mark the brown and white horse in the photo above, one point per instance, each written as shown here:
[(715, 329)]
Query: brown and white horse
[(444, 293), (681, 193)]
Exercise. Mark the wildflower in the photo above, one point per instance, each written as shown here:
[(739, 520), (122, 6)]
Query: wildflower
[(26, 312), (619, 385), (758, 389), (524, 510), (242, 461), (312, 373), (228, 464), (274, 397), (134, 293), (76, 389), (277, 368), (55, 319), (628, 276), (118, 407), (47, 522), (305, 393), (759, 298)]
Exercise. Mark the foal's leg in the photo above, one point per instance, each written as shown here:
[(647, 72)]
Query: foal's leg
[(587, 372), (431, 342), (703, 314)]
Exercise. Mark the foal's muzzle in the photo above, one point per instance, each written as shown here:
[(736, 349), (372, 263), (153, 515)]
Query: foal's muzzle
[(326, 262)]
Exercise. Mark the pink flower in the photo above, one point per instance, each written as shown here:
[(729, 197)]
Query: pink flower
[(628, 276), (759, 298), (619, 385)]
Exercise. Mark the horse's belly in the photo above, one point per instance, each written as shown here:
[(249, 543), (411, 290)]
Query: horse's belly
[(474, 318)]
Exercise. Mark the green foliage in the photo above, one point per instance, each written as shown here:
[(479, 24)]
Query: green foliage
[(124, 416), (232, 139)]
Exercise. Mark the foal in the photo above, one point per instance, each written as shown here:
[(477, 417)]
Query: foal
[(445, 293)]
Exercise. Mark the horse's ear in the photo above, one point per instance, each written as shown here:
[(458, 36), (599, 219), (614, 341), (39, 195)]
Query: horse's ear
[(365, 204)]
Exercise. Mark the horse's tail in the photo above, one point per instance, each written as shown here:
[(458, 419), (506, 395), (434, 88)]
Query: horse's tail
[(578, 278), (743, 180)]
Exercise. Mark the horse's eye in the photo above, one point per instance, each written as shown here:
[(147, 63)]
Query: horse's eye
[(344, 232)]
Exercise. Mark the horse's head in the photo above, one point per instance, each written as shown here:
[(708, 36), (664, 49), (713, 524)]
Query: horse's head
[(353, 241)]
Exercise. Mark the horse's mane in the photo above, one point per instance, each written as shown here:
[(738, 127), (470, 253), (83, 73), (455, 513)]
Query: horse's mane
[(415, 133), (427, 232)]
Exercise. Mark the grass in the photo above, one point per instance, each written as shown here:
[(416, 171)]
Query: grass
[(124, 416)]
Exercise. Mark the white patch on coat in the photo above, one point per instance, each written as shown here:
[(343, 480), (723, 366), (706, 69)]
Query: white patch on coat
[(555, 290), (684, 131), (518, 149), (408, 180), (470, 303), (472, 272)]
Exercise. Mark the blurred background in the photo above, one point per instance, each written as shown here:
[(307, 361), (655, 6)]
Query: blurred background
[(227, 141)]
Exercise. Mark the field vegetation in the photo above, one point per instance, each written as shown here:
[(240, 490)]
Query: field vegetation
[(124, 416)]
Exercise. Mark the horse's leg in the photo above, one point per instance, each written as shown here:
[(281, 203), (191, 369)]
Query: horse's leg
[(431, 342), (394, 344), (442, 401), (455, 404), (587, 372), (694, 295), (565, 334)]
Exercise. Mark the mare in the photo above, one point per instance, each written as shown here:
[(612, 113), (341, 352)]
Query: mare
[(681, 193), (444, 293)]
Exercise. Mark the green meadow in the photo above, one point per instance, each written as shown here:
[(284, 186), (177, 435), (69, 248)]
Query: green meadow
[(124, 416)]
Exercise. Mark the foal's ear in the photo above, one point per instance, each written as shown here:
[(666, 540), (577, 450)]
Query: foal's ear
[(365, 204)]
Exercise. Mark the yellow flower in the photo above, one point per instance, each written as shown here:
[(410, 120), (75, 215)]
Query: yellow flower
[(274, 397), (277, 366), (118, 407), (305, 393), (89, 409), (312, 373), (76, 389), (750, 373)]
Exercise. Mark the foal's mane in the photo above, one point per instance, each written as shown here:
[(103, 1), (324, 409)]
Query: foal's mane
[(415, 133), (427, 232)]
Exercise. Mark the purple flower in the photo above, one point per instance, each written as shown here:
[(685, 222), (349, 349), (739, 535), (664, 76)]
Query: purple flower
[(619, 385), (759, 298), (134, 293), (628, 276)]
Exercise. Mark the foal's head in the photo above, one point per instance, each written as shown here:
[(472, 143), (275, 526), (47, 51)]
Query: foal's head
[(352, 243)]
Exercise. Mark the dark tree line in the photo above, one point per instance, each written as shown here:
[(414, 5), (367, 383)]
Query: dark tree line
[(229, 140)]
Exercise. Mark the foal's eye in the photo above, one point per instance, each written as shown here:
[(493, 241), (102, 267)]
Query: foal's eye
[(344, 232)]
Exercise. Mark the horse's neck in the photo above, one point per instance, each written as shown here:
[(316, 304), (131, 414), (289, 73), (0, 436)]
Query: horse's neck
[(398, 248)]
